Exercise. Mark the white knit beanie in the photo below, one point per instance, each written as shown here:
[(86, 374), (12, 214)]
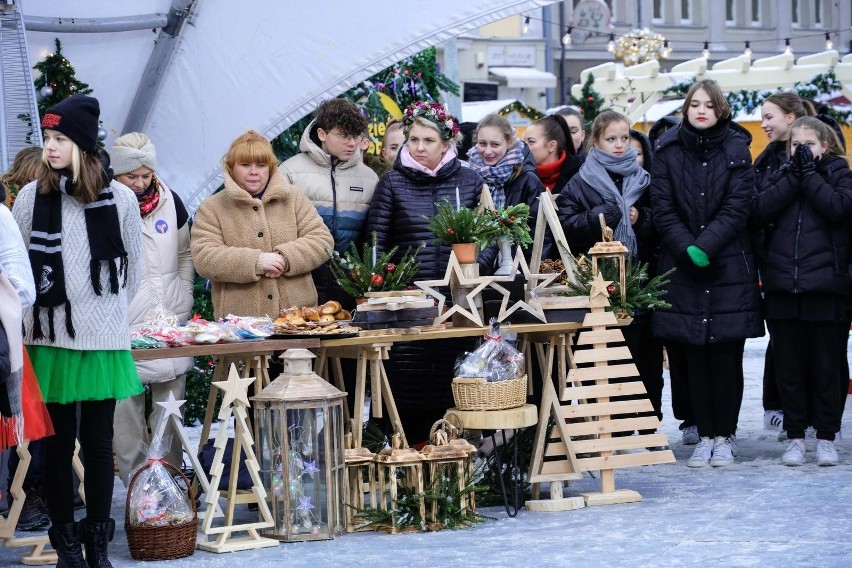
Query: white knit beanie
[(132, 151)]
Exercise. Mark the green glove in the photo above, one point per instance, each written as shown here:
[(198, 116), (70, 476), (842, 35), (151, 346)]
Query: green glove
[(698, 257)]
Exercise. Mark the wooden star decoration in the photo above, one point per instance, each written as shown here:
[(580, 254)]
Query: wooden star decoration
[(598, 294), (454, 268), (171, 407), (235, 391), (533, 306)]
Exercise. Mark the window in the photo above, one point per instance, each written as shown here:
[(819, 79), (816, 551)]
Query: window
[(611, 5), (817, 13), (685, 11), (730, 14), (755, 12), (659, 14), (795, 15)]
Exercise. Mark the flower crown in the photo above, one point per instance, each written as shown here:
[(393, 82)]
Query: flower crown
[(433, 112)]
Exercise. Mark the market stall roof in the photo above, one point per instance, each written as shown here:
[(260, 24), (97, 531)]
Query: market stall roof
[(237, 67), (524, 77), (476, 111)]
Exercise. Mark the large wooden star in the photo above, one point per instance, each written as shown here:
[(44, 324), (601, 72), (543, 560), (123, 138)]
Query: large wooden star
[(534, 283), (235, 391), (454, 269)]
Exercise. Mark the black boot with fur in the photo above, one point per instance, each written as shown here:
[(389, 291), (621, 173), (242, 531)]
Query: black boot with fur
[(96, 536), (64, 540)]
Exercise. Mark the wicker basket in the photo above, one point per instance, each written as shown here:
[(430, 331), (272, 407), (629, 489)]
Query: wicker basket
[(479, 394), (161, 543)]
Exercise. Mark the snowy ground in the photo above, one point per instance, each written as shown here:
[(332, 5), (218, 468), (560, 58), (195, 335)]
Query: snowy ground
[(753, 513)]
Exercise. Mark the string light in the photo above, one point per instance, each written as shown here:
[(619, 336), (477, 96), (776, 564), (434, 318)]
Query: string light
[(748, 48), (610, 46), (526, 25), (666, 49), (828, 43), (639, 46), (566, 39), (706, 53), (787, 49)]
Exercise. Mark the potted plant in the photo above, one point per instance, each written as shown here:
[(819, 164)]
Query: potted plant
[(368, 271), (462, 228), (510, 225)]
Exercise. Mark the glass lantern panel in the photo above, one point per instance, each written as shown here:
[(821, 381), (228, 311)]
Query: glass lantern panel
[(307, 470)]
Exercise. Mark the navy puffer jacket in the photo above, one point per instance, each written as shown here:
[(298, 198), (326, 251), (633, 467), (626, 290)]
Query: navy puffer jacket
[(702, 185), (809, 248)]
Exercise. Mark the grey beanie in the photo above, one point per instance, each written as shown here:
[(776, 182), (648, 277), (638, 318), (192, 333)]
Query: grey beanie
[(132, 151)]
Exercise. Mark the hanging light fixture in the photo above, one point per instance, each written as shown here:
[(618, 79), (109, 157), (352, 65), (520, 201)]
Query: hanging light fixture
[(706, 53), (610, 46), (828, 43), (787, 49), (666, 49), (526, 25), (747, 48), (566, 39)]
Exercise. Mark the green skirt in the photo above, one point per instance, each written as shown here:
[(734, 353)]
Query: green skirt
[(69, 375)]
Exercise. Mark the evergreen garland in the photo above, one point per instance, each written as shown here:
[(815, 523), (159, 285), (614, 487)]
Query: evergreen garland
[(198, 378), (357, 273), (590, 103)]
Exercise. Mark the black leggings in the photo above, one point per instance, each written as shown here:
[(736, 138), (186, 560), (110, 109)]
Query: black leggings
[(96, 442)]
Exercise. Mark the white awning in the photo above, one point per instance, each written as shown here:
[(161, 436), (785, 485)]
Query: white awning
[(477, 110), (522, 77)]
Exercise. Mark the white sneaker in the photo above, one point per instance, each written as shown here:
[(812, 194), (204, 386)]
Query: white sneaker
[(795, 453), (690, 436), (773, 420), (702, 453), (722, 452), (735, 446), (782, 436), (826, 453)]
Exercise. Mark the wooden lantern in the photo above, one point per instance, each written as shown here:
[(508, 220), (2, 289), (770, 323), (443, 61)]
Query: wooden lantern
[(299, 432), (609, 248), (399, 468), (448, 457), (360, 465)]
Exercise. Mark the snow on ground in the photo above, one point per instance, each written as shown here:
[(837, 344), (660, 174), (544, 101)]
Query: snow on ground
[(754, 513)]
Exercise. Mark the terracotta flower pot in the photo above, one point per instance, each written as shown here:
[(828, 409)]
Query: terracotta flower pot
[(466, 253), (359, 301)]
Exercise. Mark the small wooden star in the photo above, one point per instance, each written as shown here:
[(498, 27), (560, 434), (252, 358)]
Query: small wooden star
[(598, 294), (235, 391), (171, 407)]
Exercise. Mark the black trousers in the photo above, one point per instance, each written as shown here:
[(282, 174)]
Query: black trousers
[(647, 353), (96, 419), (679, 384), (809, 367), (34, 480), (714, 372), (771, 396)]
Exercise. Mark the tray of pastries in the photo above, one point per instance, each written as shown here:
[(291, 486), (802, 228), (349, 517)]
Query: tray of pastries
[(329, 319)]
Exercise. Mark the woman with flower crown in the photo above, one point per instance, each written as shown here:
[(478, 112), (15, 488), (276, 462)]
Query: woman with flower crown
[(426, 172)]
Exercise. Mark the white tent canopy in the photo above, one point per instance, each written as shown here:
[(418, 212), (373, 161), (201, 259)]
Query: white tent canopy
[(258, 65)]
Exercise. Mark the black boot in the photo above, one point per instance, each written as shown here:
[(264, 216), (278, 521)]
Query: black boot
[(96, 536), (64, 540)]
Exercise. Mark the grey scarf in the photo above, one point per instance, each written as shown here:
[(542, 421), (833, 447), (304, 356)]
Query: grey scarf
[(595, 172)]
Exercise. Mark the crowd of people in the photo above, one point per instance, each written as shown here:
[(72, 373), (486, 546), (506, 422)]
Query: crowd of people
[(95, 240)]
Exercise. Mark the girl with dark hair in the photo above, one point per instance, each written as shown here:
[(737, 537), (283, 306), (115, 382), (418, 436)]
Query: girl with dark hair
[(85, 248), (807, 285), (549, 141), (701, 194)]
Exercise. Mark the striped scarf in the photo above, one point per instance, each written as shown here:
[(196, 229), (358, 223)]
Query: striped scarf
[(497, 175), (105, 244)]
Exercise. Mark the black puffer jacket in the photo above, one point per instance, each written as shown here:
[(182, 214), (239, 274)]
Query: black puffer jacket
[(523, 187), (570, 167), (809, 248), (702, 185), (420, 372), (579, 206)]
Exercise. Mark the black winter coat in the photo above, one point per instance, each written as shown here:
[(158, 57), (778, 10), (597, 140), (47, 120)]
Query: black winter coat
[(570, 167), (580, 204), (420, 372), (702, 185), (809, 247), (523, 187)]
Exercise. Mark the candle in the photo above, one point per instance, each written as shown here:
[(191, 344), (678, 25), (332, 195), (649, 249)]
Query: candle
[(374, 257), (458, 201)]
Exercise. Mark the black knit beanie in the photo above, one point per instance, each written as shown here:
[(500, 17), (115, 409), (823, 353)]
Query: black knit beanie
[(77, 118)]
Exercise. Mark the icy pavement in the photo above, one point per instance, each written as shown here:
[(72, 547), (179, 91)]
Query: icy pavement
[(753, 513)]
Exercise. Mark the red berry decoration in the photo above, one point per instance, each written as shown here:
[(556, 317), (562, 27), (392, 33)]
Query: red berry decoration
[(610, 289), (376, 280), (390, 267)]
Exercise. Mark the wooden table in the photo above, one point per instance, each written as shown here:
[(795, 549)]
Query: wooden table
[(549, 342)]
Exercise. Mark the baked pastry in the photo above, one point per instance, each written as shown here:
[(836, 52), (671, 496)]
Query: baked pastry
[(331, 307), (311, 314), (343, 315), (326, 318)]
